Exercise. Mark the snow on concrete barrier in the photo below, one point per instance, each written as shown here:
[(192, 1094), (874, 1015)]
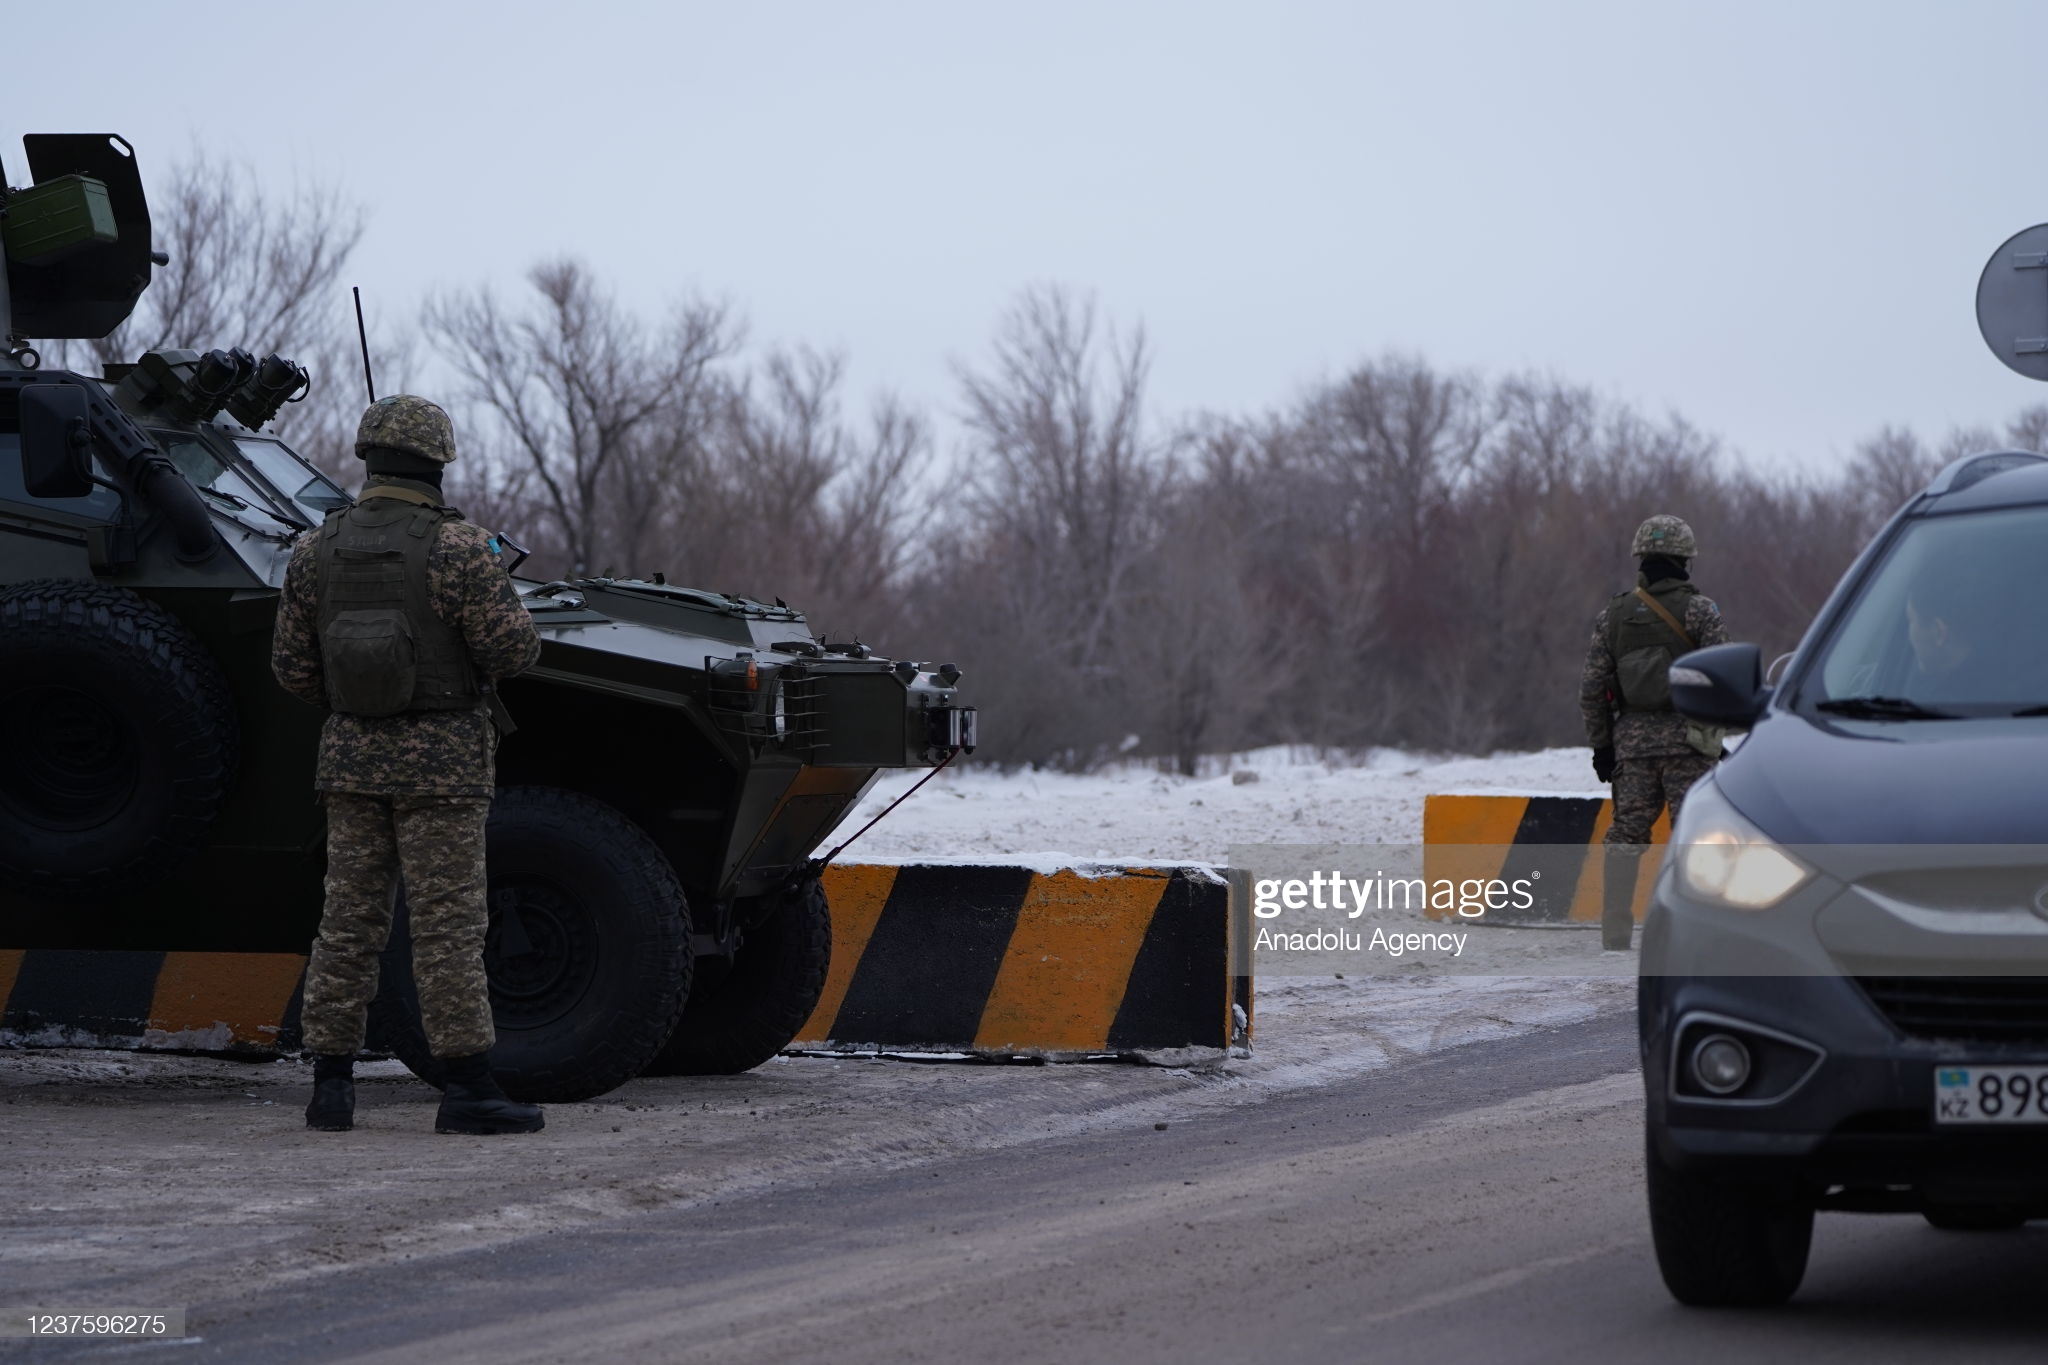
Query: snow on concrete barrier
[(1553, 840), (1056, 961), (200, 1002)]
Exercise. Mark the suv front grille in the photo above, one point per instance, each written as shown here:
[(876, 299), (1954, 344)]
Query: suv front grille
[(1982, 1009)]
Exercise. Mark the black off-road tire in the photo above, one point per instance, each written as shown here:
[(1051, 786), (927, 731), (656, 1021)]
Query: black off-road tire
[(750, 1012), (590, 975), (1725, 1243), (1975, 1217), (118, 740)]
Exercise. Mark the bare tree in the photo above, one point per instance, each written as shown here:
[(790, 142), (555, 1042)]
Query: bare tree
[(1202, 648), (255, 268), (1057, 453), (604, 416), (795, 501), (247, 267), (2028, 430), (1888, 468), (1035, 572)]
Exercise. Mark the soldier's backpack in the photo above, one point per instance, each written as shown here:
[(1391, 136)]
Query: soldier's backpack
[(1641, 635), (1641, 631), (383, 648)]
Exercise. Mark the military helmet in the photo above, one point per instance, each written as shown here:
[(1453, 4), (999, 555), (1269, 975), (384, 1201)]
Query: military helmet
[(404, 422), (1664, 535)]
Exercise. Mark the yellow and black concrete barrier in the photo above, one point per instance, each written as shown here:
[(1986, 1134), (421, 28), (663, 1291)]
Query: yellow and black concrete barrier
[(1055, 962), (193, 1002), (1552, 842), (1052, 962)]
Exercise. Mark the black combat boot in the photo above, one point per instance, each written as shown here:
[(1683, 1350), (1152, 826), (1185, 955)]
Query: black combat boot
[(333, 1109), (1618, 895), (473, 1103)]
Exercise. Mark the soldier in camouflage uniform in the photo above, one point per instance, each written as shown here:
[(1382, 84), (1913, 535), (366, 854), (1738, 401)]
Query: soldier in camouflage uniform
[(397, 619), (1648, 751)]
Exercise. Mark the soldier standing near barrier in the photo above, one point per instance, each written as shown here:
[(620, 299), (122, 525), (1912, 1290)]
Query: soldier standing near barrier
[(1648, 751), (397, 618)]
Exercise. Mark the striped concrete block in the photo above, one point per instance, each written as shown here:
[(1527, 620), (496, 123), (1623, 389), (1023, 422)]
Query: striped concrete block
[(1055, 963), (1552, 841), (194, 1002), (1013, 961)]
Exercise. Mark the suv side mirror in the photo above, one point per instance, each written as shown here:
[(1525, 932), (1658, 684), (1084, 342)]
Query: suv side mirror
[(1722, 685), (56, 442)]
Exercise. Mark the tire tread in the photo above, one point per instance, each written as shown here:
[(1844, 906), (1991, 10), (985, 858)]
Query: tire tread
[(190, 702), (761, 1004)]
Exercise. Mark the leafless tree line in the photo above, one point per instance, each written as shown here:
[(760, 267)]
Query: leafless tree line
[(1405, 555), (618, 448)]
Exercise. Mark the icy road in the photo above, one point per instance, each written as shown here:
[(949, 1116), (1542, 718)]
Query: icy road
[(1480, 1204)]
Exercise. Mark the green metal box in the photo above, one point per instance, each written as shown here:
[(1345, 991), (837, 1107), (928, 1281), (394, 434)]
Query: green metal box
[(48, 221)]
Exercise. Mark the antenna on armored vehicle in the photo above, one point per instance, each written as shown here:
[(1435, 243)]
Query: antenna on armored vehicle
[(2012, 302), (363, 335)]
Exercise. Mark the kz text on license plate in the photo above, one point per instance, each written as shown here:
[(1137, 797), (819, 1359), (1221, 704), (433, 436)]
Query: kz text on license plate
[(1991, 1094)]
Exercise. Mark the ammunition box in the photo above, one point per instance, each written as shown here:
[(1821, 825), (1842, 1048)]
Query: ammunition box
[(49, 221)]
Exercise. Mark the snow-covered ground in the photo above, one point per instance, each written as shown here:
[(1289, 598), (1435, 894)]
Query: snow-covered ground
[(1135, 812), (240, 1195)]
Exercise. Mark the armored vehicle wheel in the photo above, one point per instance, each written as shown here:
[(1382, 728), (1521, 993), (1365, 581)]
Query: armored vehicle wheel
[(588, 951), (117, 739), (739, 1019)]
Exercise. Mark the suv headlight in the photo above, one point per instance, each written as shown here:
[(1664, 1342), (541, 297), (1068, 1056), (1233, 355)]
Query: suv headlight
[(1724, 859)]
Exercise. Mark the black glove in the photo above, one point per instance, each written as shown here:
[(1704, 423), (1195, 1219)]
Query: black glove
[(1603, 763)]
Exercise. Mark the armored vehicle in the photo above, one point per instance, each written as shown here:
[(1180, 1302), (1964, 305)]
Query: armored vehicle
[(677, 759)]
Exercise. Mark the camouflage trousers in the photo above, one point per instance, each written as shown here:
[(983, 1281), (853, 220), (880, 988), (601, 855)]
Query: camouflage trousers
[(437, 842), (1643, 787)]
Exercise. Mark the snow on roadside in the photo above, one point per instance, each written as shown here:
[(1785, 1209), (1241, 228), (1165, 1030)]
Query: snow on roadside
[(1134, 812)]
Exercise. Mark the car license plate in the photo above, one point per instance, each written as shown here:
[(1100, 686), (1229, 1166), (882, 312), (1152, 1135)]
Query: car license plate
[(1991, 1094)]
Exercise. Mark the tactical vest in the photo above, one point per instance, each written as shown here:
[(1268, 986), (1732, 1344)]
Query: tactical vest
[(383, 648), (1643, 646)]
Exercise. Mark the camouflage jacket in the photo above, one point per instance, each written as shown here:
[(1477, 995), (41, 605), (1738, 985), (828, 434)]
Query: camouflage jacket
[(1638, 734), (422, 753)]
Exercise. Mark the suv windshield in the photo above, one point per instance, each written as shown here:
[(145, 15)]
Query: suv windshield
[(1954, 623)]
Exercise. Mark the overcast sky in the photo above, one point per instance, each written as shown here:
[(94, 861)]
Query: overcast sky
[(1768, 217)]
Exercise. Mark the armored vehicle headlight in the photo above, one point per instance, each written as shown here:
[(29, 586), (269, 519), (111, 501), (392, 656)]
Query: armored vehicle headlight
[(1725, 859), (205, 390), (273, 384)]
